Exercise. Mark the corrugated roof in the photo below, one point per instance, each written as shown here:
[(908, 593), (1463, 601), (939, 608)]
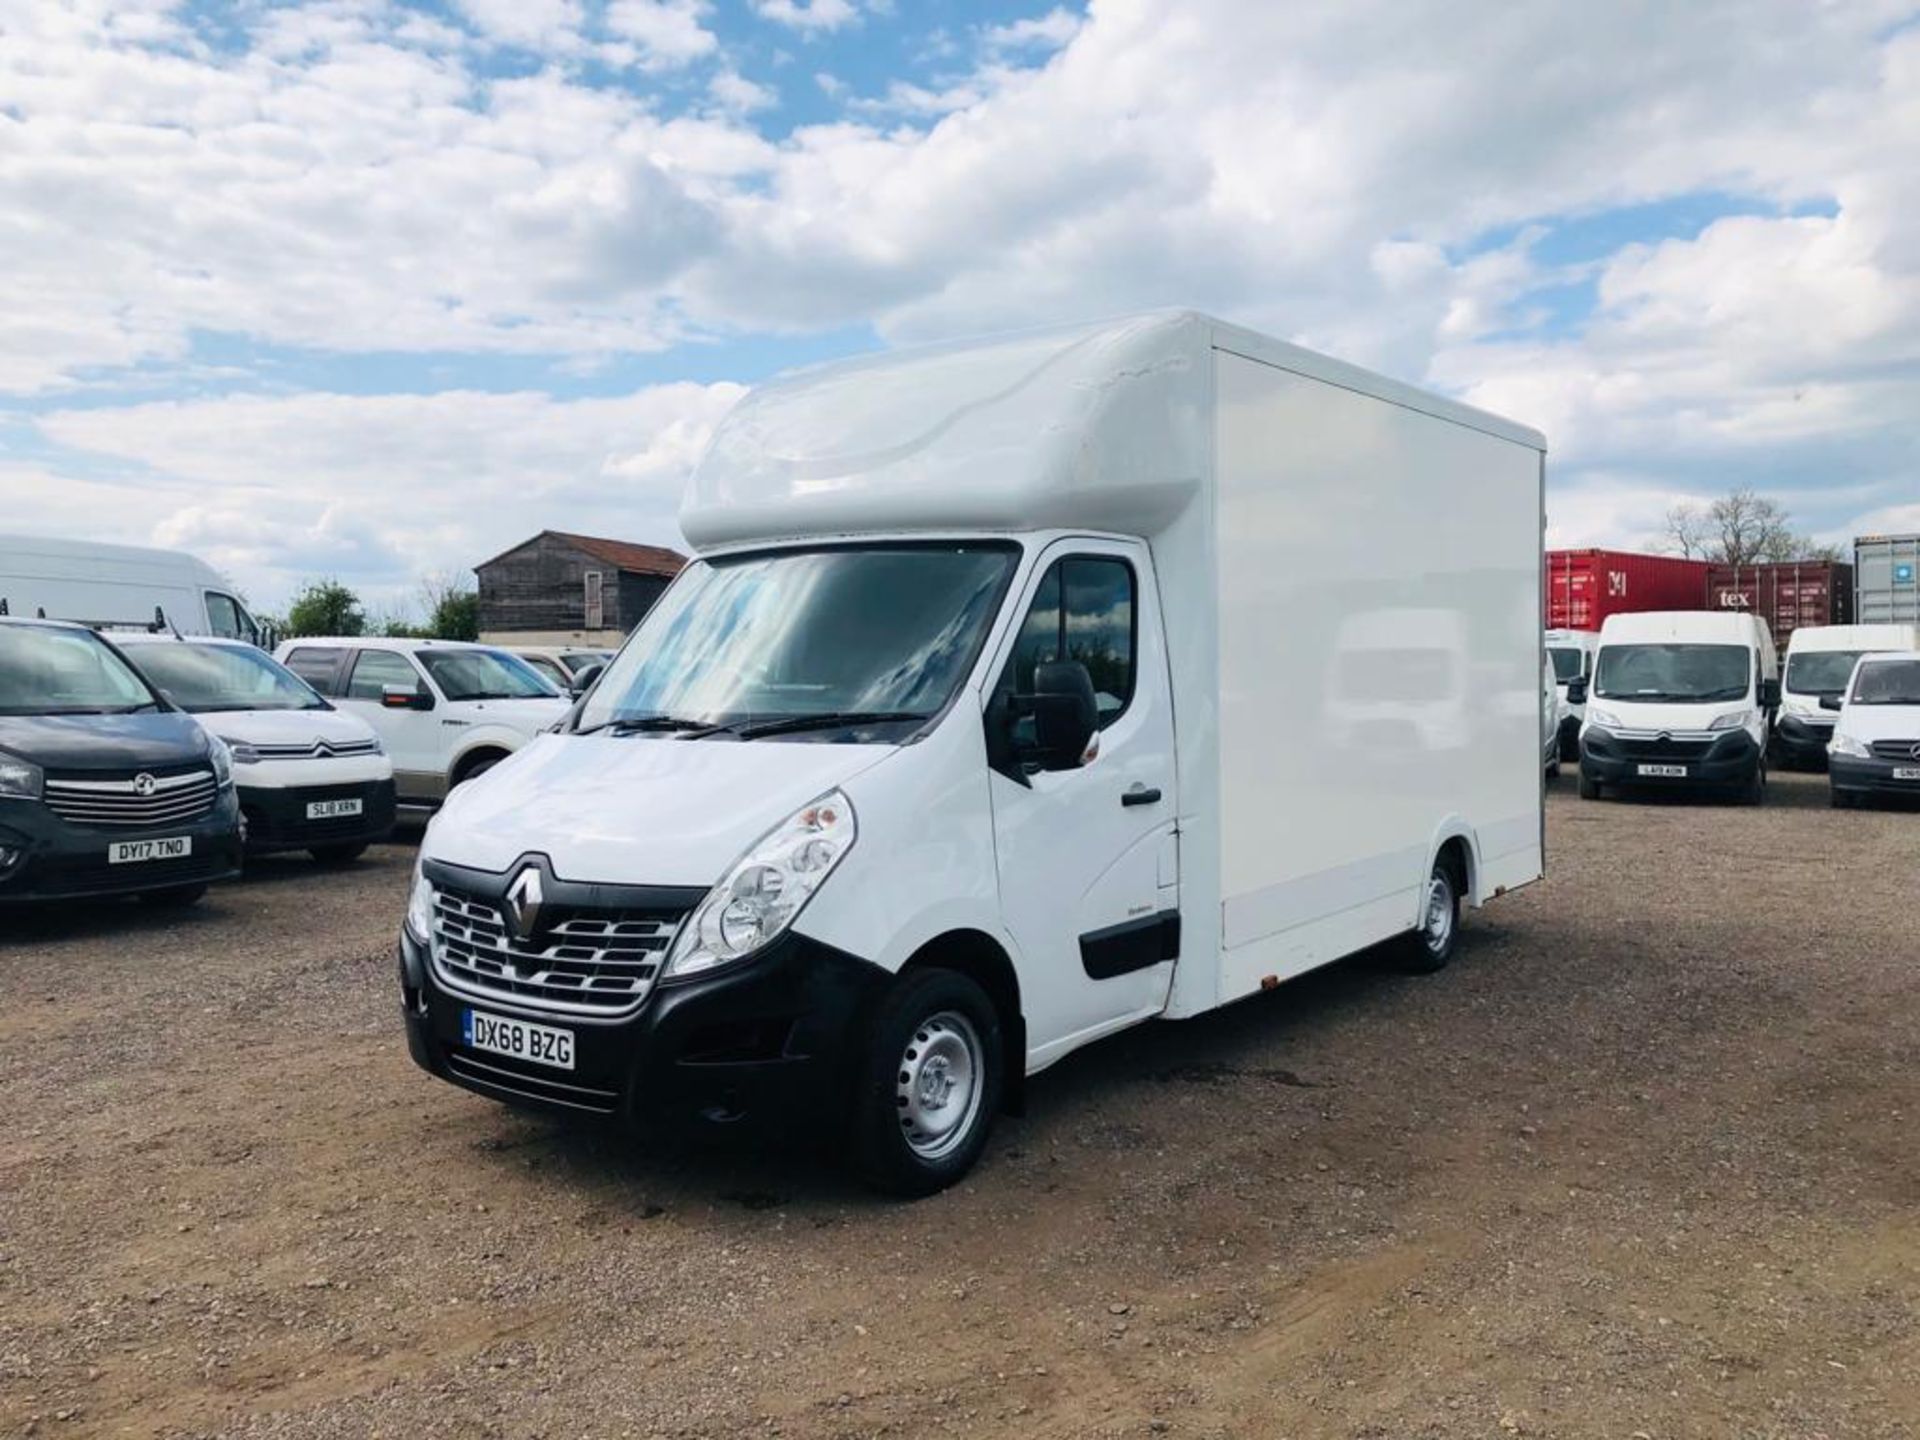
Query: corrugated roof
[(621, 554)]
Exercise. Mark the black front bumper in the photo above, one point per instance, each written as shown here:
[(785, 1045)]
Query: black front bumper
[(57, 860), (771, 1045), (277, 817), (1872, 777), (1802, 745), (1608, 759)]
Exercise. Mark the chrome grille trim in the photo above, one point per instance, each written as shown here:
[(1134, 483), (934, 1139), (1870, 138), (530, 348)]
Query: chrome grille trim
[(115, 803), (314, 750), (1895, 749), (600, 965), (1681, 737)]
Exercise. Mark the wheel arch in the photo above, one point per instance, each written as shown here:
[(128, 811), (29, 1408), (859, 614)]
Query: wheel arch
[(1456, 843), (982, 959)]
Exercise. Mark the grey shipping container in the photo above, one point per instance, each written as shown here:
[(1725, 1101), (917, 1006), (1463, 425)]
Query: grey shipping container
[(1886, 578)]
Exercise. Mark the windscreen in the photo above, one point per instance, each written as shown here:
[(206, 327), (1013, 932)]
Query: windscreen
[(204, 678), (1569, 662), (1888, 682), (44, 671), (1672, 674), (484, 675), (799, 634), (1820, 672)]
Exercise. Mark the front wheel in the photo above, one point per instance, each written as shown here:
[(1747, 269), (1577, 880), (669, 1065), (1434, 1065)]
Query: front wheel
[(929, 1083), (1842, 799), (1754, 792), (1589, 788)]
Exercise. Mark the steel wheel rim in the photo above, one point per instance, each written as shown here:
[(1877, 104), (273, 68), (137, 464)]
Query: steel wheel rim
[(938, 1084), (1440, 914)]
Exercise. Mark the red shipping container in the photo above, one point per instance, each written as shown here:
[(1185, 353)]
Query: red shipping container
[(1586, 586), (1786, 596)]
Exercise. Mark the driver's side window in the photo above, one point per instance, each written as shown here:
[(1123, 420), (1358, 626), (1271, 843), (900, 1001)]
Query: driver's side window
[(1083, 610)]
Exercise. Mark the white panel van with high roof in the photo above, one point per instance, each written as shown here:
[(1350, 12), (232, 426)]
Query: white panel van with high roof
[(1018, 692), (1820, 660), (1680, 699)]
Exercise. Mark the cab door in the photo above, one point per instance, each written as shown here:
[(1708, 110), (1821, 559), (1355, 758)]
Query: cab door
[(1088, 859), (413, 737)]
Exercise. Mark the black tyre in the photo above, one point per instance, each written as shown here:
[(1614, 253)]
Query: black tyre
[(929, 1085), (1430, 945), (338, 854), (477, 767), (1754, 792), (1589, 788), (1842, 799), (180, 895)]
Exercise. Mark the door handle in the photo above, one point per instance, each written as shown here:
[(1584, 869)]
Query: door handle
[(1141, 795)]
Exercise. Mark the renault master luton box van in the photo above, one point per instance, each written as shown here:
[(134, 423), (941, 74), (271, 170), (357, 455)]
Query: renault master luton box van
[(122, 586), (994, 714), (1679, 699), (1876, 736), (1820, 660)]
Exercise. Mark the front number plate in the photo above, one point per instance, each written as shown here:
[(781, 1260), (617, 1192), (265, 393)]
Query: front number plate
[(333, 809), (1906, 772), (1665, 772), (496, 1034), (134, 852)]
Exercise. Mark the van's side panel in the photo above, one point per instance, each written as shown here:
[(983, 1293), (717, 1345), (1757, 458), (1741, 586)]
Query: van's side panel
[(1379, 663)]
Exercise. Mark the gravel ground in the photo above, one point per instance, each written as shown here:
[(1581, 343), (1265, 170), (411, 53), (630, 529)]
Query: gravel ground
[(1641, 1164)]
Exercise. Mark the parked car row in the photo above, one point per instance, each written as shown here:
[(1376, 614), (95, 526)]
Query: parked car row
[(149, 763), (1695, 700)]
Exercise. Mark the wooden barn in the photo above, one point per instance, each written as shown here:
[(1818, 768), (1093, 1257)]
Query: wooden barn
[(562, 589)]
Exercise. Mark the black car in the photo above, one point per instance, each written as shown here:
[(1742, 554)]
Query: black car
[(106, 787)]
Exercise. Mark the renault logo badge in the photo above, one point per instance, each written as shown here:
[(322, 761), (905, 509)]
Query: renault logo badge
[(144, 784), (524, 899)]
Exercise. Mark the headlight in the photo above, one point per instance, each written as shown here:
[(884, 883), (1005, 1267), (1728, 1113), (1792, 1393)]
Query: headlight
[(1844, 744), (244, 754), (420, 904), (222, 759), (19, 779), (379, 746), (758, 898), (1604, 719), (1738, 720)]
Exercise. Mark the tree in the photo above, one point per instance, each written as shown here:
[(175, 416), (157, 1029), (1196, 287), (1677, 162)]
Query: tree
[(326, 607), (1741, 528), (453, 608)]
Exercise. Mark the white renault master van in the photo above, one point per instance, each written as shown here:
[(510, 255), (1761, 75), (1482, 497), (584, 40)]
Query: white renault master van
[(1003, 706), (1820, 660), (1679, 699), (1876, 736), (122, 586)]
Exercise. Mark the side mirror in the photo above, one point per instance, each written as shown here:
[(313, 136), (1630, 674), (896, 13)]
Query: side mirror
[(1770, 694), (1577, 690), (1065, 714), (1832, 702), (583, 679), (404, 697)]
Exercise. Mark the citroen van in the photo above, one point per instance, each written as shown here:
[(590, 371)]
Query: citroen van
[(1680, 700), (1009, 701), (1820, 661)]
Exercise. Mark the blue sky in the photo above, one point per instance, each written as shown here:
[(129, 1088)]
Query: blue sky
[(374, 289)]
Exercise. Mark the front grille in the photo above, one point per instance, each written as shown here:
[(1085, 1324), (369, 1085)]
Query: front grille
[(499, 1075), (1652, 745), (120, 803), (1896, 750), (582, 963), (315, 749)]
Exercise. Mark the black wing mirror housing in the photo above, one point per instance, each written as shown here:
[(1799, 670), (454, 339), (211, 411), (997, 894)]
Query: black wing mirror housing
[(1577, 690), (1065, 714), (1769, 693), (1832, 702), (583, 679)]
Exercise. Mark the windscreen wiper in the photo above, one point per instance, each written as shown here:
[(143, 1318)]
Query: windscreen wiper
[(828, 720), (641, 724)]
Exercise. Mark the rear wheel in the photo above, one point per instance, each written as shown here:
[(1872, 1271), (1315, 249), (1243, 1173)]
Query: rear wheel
[(1430, 946), (338, 854), (929, 1084), (180, 895), (477, 765)]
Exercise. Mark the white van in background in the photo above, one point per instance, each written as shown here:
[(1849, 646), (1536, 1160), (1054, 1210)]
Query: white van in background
[(1551, 711), (1004, 705), (1679, 699), (125, 586), (1876, 737), (1820, 660), (1571, 652)]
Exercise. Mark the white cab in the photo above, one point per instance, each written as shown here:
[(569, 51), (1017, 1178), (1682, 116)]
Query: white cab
[(121, 586)]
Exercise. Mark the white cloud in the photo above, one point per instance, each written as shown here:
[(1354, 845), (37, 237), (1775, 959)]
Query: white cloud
[(668, 32), (737, 95), (377, 489), (813, 15), (528, 24), (1040, 32)]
